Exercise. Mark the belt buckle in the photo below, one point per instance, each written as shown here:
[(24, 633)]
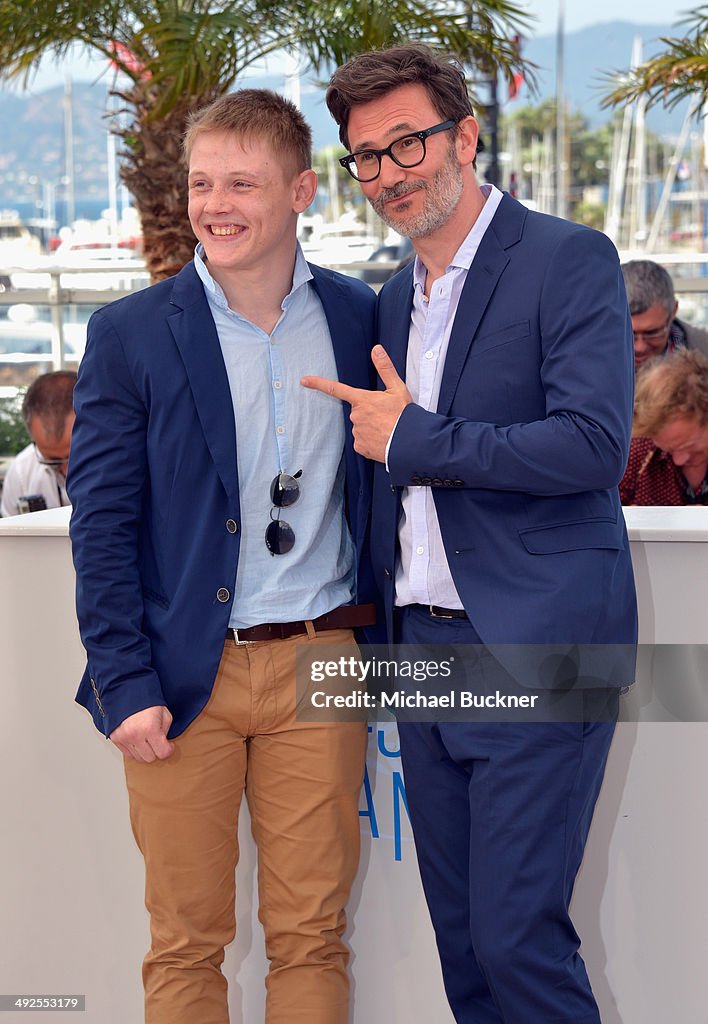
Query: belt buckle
[(240, 643), (436, 615)]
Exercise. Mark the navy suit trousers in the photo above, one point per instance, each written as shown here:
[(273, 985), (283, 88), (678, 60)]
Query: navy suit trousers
[(500, 814)]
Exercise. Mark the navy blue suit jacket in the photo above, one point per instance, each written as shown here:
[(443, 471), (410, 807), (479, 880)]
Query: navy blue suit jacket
[(530, 437), (153, 480)]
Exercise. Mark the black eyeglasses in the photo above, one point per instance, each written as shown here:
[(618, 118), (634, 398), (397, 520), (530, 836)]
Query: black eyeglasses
[(52, 463), (284, 491), (408, 151)]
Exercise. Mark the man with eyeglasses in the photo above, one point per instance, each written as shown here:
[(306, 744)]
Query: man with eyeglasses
[(219, 522), (653, 305), (36, 477), (499, 436)]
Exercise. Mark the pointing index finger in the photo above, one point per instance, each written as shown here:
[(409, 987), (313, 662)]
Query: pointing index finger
[(333, 388)]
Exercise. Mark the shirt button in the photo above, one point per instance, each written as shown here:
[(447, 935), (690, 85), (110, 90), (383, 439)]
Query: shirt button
[(281, 430), (231, 525), (420, 549), (277, 384), (429, 355), (222, 595)]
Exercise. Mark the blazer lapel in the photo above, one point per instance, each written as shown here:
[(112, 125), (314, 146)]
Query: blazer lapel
[(353, 361), (395, 307), (487, 267), (195, 335)]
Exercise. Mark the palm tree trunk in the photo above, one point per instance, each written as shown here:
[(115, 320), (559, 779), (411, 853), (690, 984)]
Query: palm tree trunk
[(154, 172)]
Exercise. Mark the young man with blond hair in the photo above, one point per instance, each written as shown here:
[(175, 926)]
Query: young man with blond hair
[(210, 538)]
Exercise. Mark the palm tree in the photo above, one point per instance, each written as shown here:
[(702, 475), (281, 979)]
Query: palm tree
[(680, 70), (179, 55)]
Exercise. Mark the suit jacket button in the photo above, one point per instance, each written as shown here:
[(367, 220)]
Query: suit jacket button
[(415, 480), (426, 481), (393, 489), (222, 595), (388, 574), (231, 525), (458, 483), (436, 481)]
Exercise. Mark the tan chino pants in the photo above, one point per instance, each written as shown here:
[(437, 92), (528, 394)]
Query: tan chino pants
[(302, 783)]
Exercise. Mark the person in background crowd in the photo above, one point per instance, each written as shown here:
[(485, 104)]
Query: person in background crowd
[(212, 539), (39, 471), (499, 437), (668, 459), (656, 328)]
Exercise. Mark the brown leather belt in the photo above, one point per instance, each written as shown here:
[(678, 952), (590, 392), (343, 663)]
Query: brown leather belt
[(347, 617)]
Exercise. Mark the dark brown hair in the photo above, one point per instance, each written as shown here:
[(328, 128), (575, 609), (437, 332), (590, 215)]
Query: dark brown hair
[(259, 113), (371, 75)]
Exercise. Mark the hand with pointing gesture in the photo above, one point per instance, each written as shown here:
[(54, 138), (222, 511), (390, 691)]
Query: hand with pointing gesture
[(374, 413)]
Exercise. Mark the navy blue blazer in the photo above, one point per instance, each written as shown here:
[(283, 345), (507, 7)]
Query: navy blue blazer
[(530, 437), (153, 481)]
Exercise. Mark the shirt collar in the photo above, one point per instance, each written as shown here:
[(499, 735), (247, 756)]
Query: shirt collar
[(462, 260), (215, 293)]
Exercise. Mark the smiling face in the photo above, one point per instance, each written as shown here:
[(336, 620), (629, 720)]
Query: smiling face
[(244, 202), (686, 441), (414, 201)]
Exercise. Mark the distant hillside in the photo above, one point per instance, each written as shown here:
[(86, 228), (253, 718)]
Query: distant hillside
[(32, 132), (588, 53)]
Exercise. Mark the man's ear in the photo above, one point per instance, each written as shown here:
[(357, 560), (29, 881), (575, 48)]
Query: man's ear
[(305, 187), (466, 140)]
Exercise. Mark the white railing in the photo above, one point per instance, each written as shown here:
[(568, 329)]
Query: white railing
[(60, 287)]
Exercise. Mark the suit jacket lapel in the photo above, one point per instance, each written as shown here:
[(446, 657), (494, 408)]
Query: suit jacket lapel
[(352, 357), (487, 267), (394, 318), (195, 335)]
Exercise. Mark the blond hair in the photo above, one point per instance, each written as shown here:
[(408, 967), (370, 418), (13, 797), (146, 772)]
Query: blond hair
[(671, 388), (256, 113)]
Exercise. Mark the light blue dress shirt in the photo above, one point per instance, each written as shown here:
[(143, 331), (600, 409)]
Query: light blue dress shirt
[(283, 427)]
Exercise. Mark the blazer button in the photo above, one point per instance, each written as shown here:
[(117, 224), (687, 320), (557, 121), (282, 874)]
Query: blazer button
[(387, 574), (436, 481), (231, 525), (458, 483), (393, 489), (222, 595), (426, 481)]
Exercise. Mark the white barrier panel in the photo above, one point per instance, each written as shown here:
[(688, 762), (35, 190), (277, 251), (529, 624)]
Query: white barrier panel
[(71, 878)]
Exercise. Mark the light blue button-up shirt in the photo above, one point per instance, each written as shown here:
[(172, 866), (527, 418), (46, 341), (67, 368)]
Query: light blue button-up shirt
[(283, 427)]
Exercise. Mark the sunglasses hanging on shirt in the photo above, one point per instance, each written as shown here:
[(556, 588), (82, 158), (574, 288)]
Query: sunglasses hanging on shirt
[(284, 492)]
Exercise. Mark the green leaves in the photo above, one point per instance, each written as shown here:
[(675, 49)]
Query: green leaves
[(679, 71)]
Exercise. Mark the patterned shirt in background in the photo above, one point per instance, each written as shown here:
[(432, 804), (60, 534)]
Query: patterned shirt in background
[(652, 478), (677, 340)]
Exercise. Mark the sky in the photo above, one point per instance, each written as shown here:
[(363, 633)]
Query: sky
[(581, 13), (578, 14)]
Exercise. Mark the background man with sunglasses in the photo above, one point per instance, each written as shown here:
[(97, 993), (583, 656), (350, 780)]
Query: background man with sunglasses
[(210, 540), (653, 305), (39, 471), (500, 437)]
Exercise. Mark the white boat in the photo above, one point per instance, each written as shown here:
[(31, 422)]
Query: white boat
[(339, 242)]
